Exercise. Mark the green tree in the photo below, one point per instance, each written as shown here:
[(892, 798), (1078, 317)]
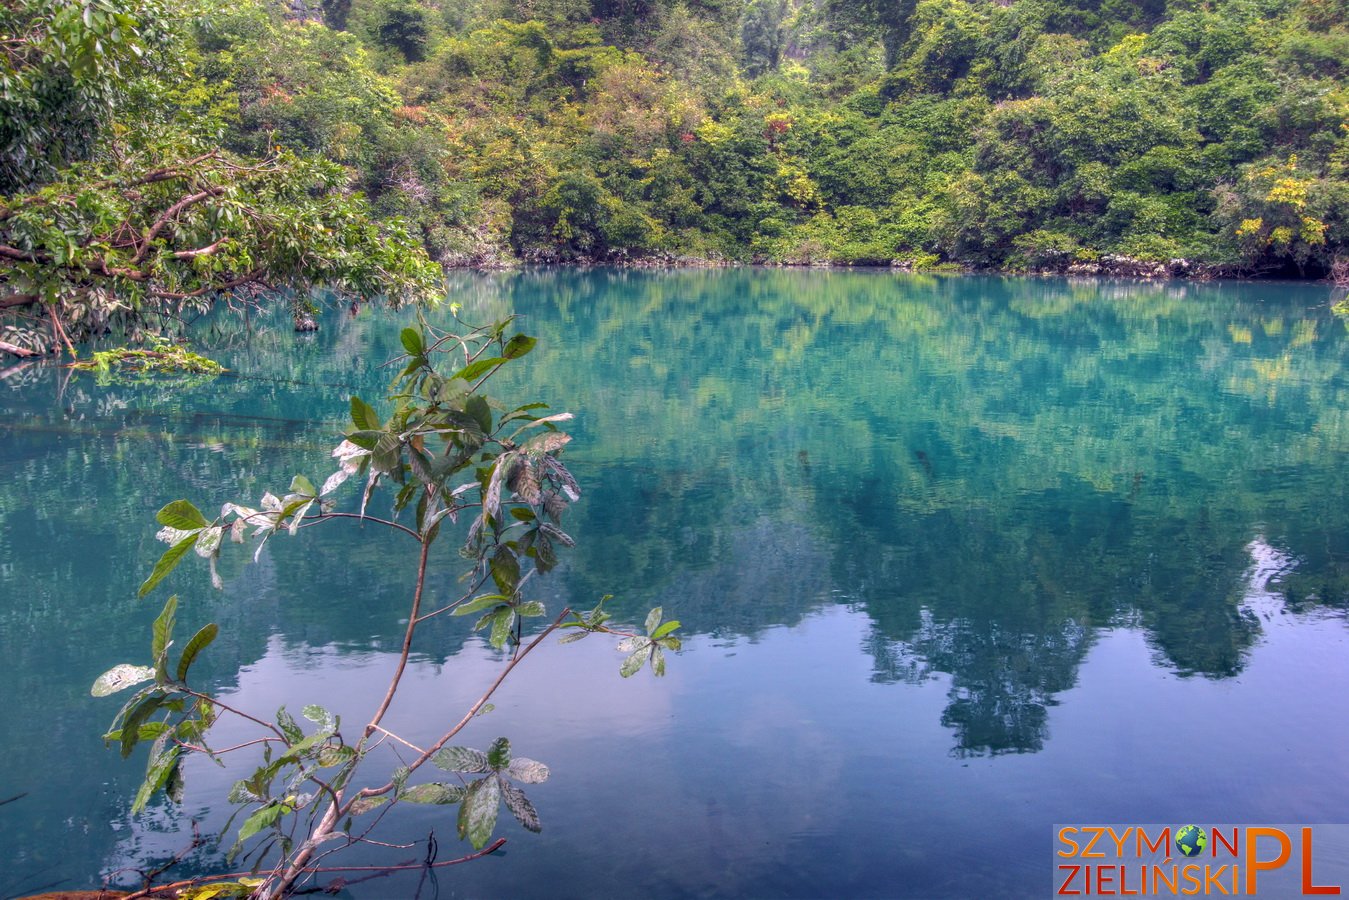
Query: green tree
[(64, 67), (764, 31), (148, 218)]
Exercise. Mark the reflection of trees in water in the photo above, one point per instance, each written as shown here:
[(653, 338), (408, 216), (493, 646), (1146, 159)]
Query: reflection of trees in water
[(994, 467), (990, 468), (1006, 602), (1002, 681)]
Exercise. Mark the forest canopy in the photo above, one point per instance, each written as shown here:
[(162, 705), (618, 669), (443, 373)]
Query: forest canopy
[(166, 152)]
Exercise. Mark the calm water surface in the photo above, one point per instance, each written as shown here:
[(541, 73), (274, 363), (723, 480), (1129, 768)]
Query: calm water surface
[(956, 559)]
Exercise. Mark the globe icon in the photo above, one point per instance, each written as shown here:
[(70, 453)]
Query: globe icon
[(1191, 839)]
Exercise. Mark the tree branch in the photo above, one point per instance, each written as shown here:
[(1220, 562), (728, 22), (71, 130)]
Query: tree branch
[(208, 250), (22, 255), (407, 643), (168, 214), (468, 716), (314, 520), (243, 715), (253, 277)]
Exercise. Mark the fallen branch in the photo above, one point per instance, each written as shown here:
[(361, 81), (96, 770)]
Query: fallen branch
[(21, 352)]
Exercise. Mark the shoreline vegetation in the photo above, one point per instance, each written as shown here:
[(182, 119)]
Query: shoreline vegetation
[(1108, 267), (161, 156)]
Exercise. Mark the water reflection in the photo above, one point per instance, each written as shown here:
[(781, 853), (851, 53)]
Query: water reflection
[(958, 504)]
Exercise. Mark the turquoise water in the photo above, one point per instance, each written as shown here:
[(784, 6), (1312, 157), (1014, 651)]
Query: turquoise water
[(956, 558)]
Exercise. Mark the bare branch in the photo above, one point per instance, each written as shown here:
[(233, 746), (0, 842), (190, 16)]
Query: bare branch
[(468, 716), (407, 744), (407, 643)]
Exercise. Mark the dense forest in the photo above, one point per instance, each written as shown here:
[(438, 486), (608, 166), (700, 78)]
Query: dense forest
[(154, 153)]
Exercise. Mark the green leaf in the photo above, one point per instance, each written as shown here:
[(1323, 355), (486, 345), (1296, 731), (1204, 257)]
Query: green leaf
[(286, 722), (221, 890), (633, 664), (664, 629), (545, 558), (653, 619), (365, 804), (657, 661), (244, 792), (521, 412), (161, 632), (434, 792), (330, 756), (499, 754), (263, 818), (478, 812), (167, 563), (527, 771), (320, 717), (547, 442), (365, 439), (518, 346), (479, 603), (501, 470), (363, 416), (629, 644), (558, 535), (387, 456), (502, 620), (174, 785), (208, 541), (524, 514), (302, 486), (477, 407), (505, 570), (119, 678), (462, 759), (478, 367), (412, 341), (161, 767), (530, 609), (520, 807), (131, 725), (199, 642), (182, 515), (148, 732)]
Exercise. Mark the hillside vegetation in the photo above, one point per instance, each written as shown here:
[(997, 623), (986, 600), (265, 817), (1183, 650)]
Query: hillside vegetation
[(157, 154), (1034, 133)]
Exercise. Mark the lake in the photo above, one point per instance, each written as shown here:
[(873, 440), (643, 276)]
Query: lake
[(956, 559)]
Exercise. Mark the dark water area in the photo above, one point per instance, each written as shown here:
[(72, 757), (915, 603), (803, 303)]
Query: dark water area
[(956, 559)]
